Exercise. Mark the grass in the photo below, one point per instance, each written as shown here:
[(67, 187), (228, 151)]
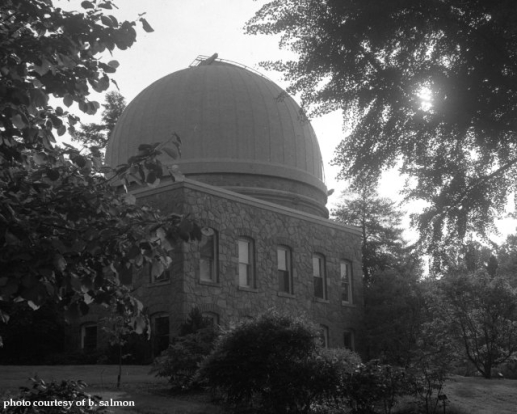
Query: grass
[(149, 394), (476, 395), (471, 395)]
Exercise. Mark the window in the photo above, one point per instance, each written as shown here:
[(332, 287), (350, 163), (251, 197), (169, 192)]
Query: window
[(89, 337), (346, 281), (285, 282), (246, 268), (320, 280), (324, 336), (160, 334), (348, 340), (158, 272), (208, 256), (211, 317)]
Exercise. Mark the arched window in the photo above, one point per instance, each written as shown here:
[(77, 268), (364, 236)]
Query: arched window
[(208, 256), (346, 281), (246, 262), (319, 276), (284, 265)]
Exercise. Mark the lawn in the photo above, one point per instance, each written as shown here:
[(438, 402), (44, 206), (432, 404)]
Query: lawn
[(150, 395)]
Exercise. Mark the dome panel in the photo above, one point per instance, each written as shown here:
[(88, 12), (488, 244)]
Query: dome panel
[(232, 121)]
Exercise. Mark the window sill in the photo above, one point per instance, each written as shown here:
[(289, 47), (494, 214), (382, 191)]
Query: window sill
[(208, 283), (348, 304), (320, 300), (247, 289), (285, 295), (157, 284)]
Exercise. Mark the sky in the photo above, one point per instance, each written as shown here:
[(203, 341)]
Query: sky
[(184, 29)]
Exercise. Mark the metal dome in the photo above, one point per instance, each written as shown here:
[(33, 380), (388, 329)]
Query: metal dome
[(239, 131)]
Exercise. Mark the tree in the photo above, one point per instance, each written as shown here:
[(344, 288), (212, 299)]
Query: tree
[(425, 85), (67, 235), (481, 312), (391, 272), (379, 221), (98, 134)]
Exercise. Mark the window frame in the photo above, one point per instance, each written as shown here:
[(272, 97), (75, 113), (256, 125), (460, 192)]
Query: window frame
[(157, 337), (288, 260), (324, 335), (250, 265), (163, 278), (212, 316), (322, 270), (346, 286), (213, 259), (84, 327), (349, 333)]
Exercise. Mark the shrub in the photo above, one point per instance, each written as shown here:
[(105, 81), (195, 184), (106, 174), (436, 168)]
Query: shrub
[(180, 361), (372, 387), (274, 364), (53, 392)]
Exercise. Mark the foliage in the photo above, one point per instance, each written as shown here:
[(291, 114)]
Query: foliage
[(428, 86), (393, 317), (180, 361), (435, 353), (380, 222), (98, 134), (64, 391), (45, 327), (481, 311), (372, 386), (271, 363), (66, 234), (391, 272)]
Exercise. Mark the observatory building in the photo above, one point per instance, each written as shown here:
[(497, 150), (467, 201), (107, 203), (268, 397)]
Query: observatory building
[(254, 176)]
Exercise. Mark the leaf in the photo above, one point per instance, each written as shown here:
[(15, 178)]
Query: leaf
[(11, 239), (107, 21), (140, 324), (157, 269), (80, 161), (114, 64), (38, 97), (17, 121), (105, 5), (151, 178), (40, 158), (147, 27), (61, 130), (53, 174), (4, 317), (59, 262), (171, 152), (68, 101), (87, 5), (130, 199)]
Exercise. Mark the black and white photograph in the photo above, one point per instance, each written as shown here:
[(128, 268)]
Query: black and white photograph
[(258, 206)]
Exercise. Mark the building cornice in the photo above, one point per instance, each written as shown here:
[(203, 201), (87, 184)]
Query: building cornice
[(231, 195)]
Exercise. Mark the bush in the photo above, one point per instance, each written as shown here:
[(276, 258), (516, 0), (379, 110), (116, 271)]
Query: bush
[(42, 392), (180, 361), (274, 364), (372, 387)]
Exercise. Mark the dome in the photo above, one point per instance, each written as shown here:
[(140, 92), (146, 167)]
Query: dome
[(239, 131)]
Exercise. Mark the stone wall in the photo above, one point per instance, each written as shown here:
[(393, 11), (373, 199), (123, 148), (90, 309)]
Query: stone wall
[(234, 215)]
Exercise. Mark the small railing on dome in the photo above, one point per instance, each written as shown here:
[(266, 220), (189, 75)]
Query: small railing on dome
[(197, 61)]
